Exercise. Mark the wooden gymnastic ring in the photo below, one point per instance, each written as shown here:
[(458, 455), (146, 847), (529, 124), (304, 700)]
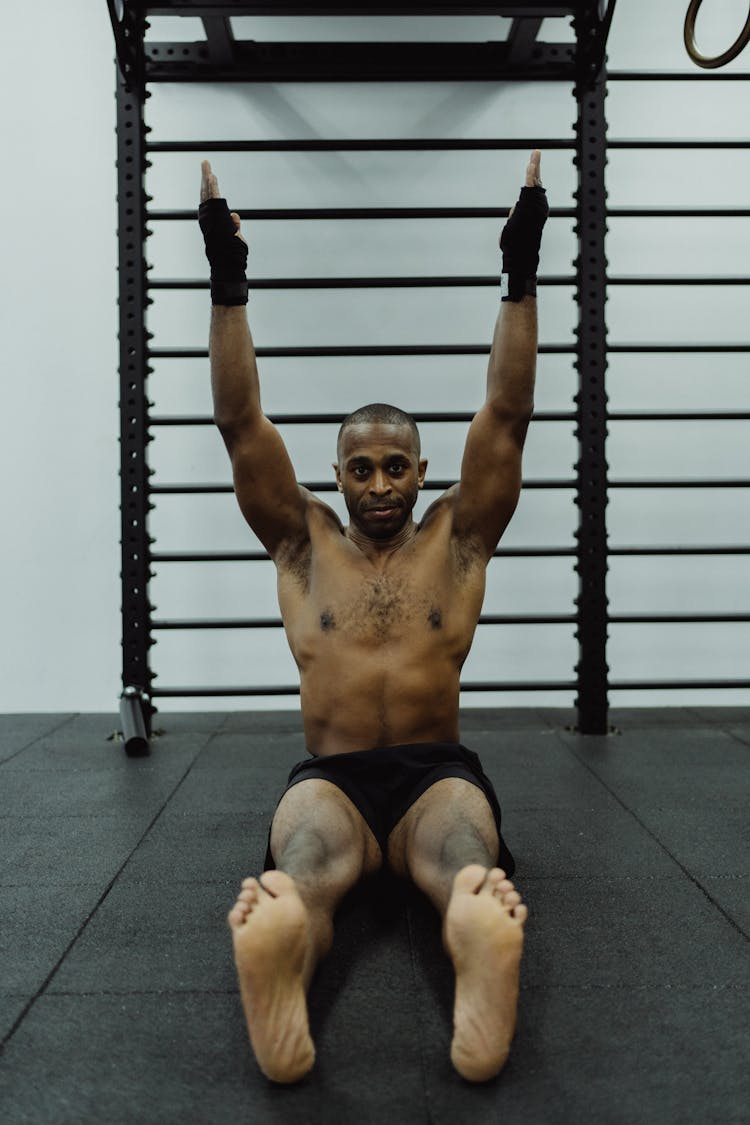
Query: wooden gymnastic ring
[(720, 60)]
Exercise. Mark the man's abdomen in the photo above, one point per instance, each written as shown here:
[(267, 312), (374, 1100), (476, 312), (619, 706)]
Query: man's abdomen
[(381, 698)]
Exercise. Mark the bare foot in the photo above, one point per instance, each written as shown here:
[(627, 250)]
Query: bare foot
[(271, 934), (483, 933)]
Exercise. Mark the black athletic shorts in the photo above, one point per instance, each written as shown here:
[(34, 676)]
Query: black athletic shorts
[(385, 782)]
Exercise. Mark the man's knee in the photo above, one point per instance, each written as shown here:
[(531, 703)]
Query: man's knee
[(304, 847), (317, 832), (453, 827), (464, 844)]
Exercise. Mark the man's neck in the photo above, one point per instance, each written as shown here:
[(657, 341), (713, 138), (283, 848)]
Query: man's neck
[(380, 549)]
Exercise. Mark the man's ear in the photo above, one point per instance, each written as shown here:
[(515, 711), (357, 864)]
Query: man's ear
[(421, 473), (339, 485)]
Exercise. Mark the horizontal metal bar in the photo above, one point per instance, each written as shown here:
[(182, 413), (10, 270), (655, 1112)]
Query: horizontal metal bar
[(679, 483), (522, 685), (209, 556), (328, 486), (676, 685), (675, 281), (675, 76), (678, 212), (220, 693), (458, 417), (489, 280), (663, 349), (217, 623), (374, 144), (263, 556), (336, 419), (677, 618), (678, 416), (291, 689), (342, 8), (501, 553), (277, 623), (694, 550), (670, 143), (396, 349), (328, 213), (352, 61), (442, 485)]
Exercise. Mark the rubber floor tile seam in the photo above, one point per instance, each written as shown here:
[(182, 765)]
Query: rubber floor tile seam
[(91, 914), (38, 738)]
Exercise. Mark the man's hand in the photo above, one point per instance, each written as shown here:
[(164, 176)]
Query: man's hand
[(226, 249), (522, 234), (210, 190)]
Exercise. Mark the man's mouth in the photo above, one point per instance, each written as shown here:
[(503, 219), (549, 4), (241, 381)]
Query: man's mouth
[(382, 509)]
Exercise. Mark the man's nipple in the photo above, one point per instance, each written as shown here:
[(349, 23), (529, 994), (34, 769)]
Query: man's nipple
[(326, 621)]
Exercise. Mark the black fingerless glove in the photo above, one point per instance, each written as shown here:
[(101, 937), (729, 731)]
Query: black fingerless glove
[(520, 241), (225, 251)]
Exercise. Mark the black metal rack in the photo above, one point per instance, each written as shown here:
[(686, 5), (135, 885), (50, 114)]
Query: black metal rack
[(715, 348), (522, 55)]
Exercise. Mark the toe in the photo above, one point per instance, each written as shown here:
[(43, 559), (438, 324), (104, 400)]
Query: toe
[(237, 916), (494, 881), (470, 879), (512, 898), (520, 913), (277, 883)]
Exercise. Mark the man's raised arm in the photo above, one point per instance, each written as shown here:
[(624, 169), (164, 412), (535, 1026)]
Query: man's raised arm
[(264, 482), (491, 468)]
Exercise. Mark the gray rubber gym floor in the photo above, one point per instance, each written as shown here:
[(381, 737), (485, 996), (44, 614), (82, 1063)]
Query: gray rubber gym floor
[(118, 1001)]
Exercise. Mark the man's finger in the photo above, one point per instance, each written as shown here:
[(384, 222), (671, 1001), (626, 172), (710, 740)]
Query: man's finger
[(533, 178), (209, 183), (238, 233)]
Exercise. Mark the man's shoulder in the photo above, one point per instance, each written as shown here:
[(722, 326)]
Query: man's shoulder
[(440, 511), (467, 550), (295, 551)]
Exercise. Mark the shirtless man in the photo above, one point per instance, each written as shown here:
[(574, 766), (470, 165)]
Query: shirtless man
[(380, 616)]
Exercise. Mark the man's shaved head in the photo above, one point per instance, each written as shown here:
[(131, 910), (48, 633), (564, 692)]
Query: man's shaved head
[(379, 413)]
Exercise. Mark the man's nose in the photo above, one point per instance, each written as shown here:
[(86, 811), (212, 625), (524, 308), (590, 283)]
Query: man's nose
[(379, 483)]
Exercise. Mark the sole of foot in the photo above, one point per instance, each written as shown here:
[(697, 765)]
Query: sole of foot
[(270, 933), (483, 933)]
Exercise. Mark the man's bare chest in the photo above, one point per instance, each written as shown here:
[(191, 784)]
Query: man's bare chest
[(419, 594), (379, 605)]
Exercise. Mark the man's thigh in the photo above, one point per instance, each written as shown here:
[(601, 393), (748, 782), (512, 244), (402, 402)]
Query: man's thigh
[(451, 804), (315, 815)]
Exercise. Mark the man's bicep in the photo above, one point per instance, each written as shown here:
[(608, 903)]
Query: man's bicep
[(490, 482), (271, 500)]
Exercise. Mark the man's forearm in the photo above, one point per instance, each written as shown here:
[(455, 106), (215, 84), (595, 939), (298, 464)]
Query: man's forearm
[(512, 367), (234, 374)]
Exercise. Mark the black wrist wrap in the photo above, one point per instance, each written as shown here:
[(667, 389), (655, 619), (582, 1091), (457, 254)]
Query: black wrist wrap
[(225, 251), (520, 241)]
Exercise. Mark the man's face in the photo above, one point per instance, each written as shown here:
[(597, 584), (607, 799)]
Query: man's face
[(380, 474)]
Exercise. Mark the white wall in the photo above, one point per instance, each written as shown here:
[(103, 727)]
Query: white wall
[(60, 586), (58, 335)]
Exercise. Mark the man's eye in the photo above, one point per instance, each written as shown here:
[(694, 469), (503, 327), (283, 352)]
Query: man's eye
[(397, 469), (360, 471)]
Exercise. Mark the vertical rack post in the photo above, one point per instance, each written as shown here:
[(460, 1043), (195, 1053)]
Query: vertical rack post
[(135, 706), (591, 432)]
